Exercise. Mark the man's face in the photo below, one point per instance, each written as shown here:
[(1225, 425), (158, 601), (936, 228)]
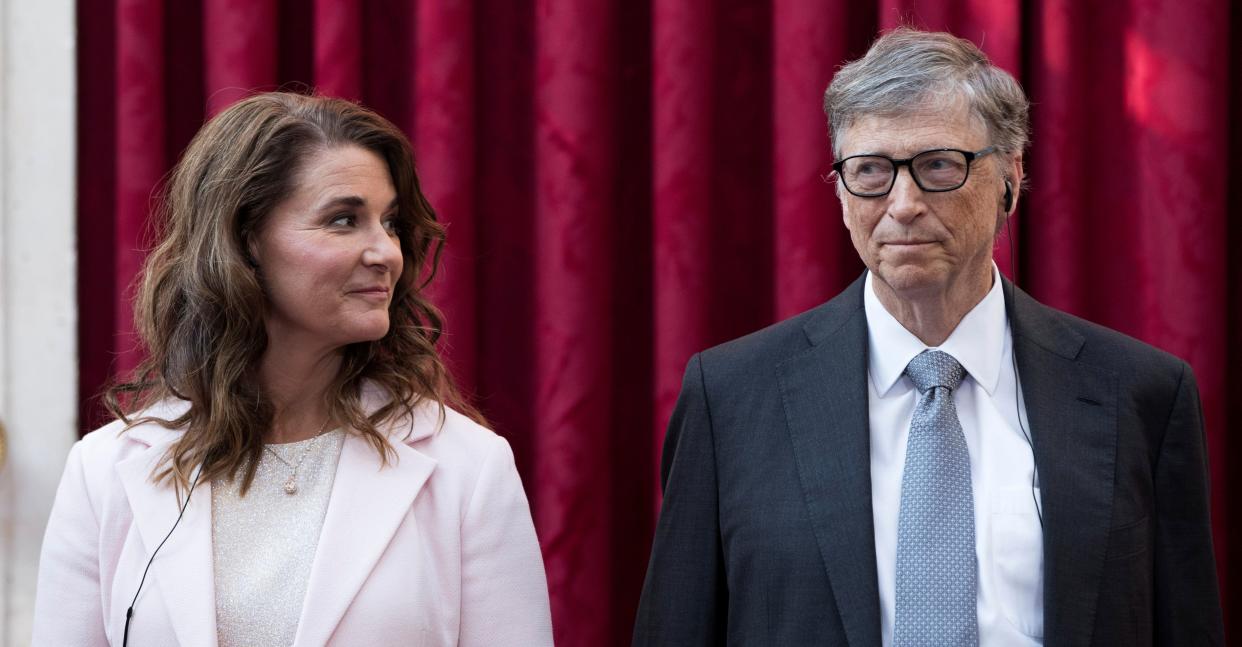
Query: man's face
[(924, 244)]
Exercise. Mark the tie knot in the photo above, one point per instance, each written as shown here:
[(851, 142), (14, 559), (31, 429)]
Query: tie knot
[(933, 368)]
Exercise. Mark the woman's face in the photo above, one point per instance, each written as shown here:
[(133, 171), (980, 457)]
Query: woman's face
[(328, 255)]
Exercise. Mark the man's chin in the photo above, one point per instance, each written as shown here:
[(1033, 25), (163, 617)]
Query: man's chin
[(912, 278)]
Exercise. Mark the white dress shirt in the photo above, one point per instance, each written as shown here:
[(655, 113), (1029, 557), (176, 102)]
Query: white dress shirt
[(1008, 535)]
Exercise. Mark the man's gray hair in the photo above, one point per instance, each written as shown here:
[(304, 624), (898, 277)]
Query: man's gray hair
[(907, 71)]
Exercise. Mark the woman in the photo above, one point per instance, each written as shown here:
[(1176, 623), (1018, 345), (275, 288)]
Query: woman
[(300, 469)]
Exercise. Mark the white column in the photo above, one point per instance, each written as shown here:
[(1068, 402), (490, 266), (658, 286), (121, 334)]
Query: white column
[(38, 303)]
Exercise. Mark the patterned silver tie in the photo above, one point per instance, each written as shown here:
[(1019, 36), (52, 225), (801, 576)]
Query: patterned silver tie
[(936, 569)]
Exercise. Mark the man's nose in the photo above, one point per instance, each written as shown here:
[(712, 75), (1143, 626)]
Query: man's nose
[(905, 200)]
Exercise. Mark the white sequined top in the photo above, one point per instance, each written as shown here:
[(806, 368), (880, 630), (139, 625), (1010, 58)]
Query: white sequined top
[(263, 544)]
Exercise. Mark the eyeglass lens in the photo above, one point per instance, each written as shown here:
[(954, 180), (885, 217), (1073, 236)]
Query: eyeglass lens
[(932, 170)]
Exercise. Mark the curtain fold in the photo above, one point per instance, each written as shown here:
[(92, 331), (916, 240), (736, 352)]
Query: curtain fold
[(811, 253), (139, 154), (338, 38), (682, 61), (239, 50), (444, 127), (627, 183), (575, 133)]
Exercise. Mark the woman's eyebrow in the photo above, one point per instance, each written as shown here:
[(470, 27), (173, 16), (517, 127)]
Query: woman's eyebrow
[(344, 201), (353, 201)]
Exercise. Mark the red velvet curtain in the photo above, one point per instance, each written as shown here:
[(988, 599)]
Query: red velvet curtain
[(627, 183)]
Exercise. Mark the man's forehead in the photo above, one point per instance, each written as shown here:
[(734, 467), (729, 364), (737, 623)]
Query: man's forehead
[(936, 124)]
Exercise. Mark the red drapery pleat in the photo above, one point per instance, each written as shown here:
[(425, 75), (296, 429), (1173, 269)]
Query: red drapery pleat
[(444, 129), (626, 183), (240, 52)]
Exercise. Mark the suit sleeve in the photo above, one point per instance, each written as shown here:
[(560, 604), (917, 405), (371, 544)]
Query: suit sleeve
[(504, 592), (1188, 608), (685, 600), (68, 606)]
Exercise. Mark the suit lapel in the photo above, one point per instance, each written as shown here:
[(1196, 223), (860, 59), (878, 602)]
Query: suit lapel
[(182, 570), (827, 417), (368, 504), (1072, 411)]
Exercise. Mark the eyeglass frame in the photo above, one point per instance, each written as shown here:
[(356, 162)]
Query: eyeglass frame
[(908, 162)]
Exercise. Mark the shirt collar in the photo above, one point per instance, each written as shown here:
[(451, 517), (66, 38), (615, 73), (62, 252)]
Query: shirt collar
[(978, 342)]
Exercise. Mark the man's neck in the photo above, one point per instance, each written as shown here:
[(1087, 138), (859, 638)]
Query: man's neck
[(933, 315)]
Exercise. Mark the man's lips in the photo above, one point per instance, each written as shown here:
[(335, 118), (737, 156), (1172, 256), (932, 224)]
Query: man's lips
[(908, 243)]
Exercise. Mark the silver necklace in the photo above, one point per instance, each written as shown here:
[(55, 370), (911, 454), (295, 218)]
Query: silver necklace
[(291, 483)]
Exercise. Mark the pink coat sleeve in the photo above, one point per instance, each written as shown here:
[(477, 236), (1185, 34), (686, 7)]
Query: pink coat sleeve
[(504, 598), (68, 606)]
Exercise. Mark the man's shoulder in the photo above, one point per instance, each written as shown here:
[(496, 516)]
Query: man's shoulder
[(776, 339), (768, 347), (1114, 350)]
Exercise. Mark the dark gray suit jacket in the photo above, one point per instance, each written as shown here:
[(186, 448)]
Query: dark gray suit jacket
[(765, 536)]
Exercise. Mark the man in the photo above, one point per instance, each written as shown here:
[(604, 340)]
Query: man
[(932, 457)]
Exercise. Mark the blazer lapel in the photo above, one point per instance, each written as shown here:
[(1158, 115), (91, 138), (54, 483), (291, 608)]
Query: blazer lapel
[(182, 571), (825, 396), (1072, 411), (368, 504)]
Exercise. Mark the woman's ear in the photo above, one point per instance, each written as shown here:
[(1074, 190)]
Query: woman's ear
[(251, 250)]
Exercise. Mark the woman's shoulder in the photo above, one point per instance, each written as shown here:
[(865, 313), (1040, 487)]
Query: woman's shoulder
[(104, 444), (441, 429), (468, 456), (120, 438), (463, 449), (96, 456)]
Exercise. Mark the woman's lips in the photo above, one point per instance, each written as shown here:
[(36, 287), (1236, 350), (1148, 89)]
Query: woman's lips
[(372, 294)]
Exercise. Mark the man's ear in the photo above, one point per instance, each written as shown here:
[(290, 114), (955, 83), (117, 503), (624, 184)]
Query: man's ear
[(1014, 173), (840, 191)]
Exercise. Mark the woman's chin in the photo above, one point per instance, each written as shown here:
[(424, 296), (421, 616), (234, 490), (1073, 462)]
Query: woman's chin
[(367, 331)]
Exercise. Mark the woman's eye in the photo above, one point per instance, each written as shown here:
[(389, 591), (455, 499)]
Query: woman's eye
[(343, 220), (392, 225)]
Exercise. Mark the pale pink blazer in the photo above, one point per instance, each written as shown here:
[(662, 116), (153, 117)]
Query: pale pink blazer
[(436, 549)]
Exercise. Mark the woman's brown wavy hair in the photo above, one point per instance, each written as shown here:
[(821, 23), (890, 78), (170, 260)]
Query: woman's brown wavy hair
[(200, 306)]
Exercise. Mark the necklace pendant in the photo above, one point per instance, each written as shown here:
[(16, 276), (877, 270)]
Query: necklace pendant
[(291, 486)]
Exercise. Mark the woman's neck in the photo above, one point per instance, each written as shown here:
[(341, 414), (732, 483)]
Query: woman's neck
[(295, 381)]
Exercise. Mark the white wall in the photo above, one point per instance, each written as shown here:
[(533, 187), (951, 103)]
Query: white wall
[(38, 309)]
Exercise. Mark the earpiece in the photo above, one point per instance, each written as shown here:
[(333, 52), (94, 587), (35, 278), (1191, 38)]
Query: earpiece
[(1013, 357), (1008, 199), (129, 613)]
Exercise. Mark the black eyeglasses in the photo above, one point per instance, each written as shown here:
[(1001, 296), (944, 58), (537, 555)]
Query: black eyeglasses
[(935, 171)]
